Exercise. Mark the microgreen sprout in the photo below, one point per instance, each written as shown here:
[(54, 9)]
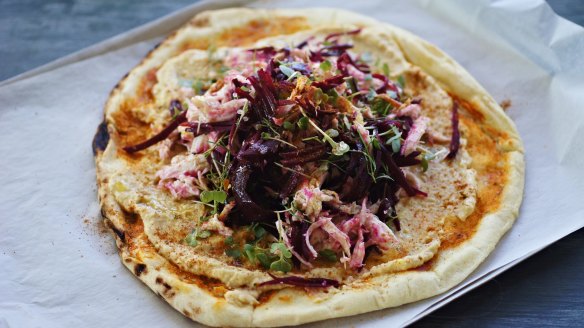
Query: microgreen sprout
[(191, 238), (326, 66), (292, 170), (268, 136), (401, 81), (385, 68), (215, 197), (328, 255), (339, 148), (290, 73)]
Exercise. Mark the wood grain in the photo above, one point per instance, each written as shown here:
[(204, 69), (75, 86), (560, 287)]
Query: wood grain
[(545, 290)]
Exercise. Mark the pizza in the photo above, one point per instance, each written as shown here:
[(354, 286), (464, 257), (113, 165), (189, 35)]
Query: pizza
[(278, 167)]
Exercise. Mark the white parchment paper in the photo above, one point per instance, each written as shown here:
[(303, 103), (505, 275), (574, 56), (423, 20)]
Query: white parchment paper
[(57, 269)]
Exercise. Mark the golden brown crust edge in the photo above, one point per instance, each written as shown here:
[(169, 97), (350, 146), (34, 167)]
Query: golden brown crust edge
[(450, 268)]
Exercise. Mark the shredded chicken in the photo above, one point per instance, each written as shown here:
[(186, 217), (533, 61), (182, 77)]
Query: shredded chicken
[(414, 136), (184, 176)]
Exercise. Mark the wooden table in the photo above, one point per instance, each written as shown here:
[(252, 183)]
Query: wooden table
[(545, 290)]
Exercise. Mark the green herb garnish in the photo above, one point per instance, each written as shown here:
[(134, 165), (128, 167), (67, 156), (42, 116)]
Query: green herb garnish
[(288, 126), (326, 66), (303, 123), (213, 197), (328, 255), (198, 86), (233, 252), (191, 238), (401, 81), (385, 68)]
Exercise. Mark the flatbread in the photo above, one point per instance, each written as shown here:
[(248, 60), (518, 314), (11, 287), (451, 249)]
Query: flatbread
[(149, 224)]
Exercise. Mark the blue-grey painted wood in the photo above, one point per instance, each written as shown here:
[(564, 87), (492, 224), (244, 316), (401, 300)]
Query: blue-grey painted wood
[(545, 290)]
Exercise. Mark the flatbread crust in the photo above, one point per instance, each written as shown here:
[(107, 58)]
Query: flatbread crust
[(493, 144)]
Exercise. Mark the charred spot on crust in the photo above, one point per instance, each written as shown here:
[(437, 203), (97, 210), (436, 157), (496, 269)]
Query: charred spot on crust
[(130, 217), (161, 281), (117, 86), (101, 138), (140, 268), (187, 313), (117, 231), (167, 292)]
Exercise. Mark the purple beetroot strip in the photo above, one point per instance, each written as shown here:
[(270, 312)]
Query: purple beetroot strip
[(203, 128), (455, 141), (408, 160), (182, 117), (301, 282), (330, 83), (264, 102), (397, 173), (252, 211), (302, 156), (337, 34)]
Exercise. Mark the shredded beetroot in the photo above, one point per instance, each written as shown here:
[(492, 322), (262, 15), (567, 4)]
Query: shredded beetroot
[(291, 183), (259, 151), (455, 141), (397, 173), (301, 282), (296, 154), (335, 50), (252, 211), (330, 83), (239, 90), (311, 157), (159, 136), (343, 61), (264, 103), (409, 160), (268, 51), (203, 128), (387, 84), (304, 43)]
